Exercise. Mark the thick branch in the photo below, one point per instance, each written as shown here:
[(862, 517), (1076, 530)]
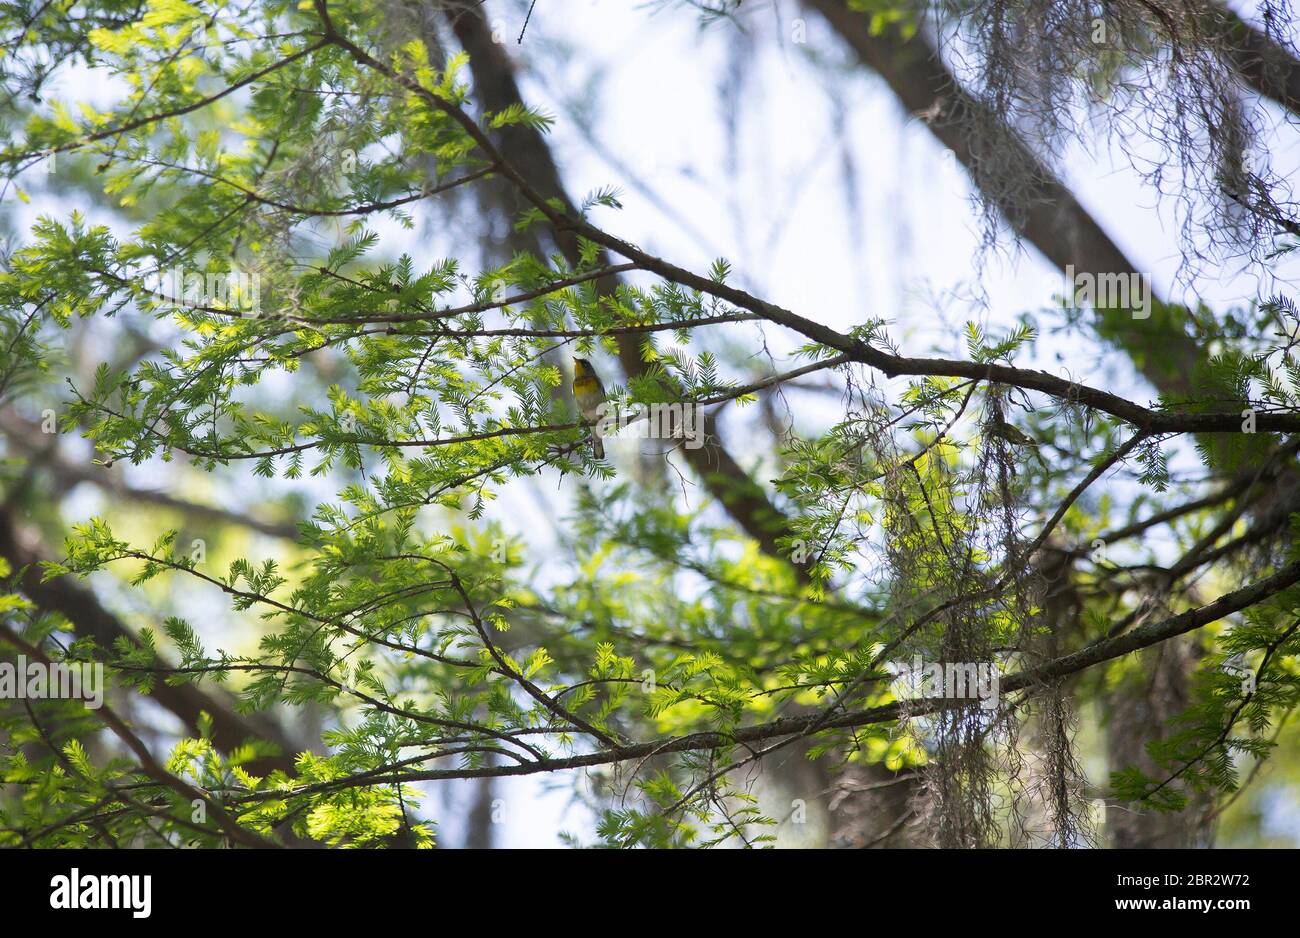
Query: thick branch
[(1096, 653)]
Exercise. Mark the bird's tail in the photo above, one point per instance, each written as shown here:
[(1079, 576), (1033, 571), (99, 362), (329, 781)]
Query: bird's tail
[(597, 446)]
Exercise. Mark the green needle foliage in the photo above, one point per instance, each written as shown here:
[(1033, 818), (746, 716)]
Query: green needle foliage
[(258, 152)]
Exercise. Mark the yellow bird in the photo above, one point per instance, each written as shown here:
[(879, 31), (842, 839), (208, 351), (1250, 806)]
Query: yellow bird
[(1009, 432), (997, 427), (590, 395)]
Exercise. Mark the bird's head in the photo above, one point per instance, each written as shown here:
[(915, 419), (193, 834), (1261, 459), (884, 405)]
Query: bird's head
[(582, 367)]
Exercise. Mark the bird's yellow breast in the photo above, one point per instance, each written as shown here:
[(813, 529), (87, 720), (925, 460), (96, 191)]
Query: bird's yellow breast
[(585, 385)]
